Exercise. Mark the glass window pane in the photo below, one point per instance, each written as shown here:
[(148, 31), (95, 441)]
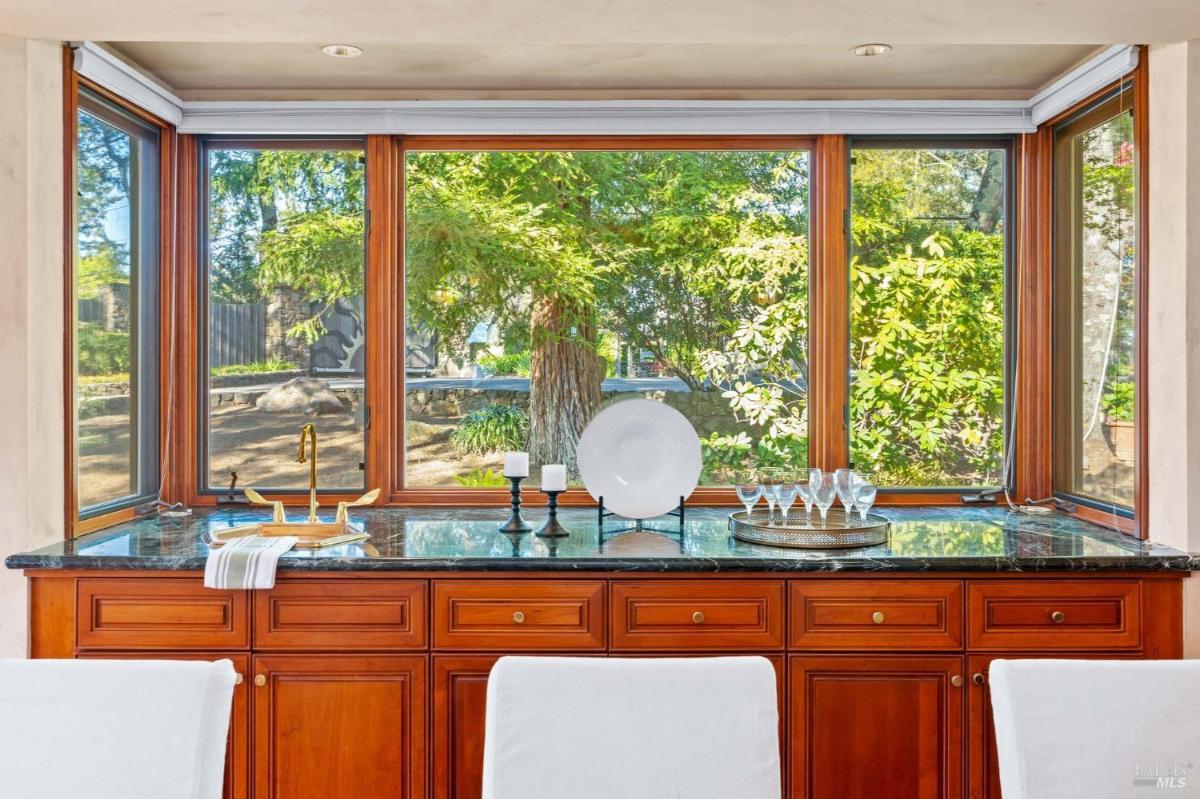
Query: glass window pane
[(542, 286), (286, 324), (114, 277), (927, 315), (1095, 197)]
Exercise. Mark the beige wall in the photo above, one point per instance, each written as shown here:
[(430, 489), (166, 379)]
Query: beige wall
[(31, 397), (1174, 320)]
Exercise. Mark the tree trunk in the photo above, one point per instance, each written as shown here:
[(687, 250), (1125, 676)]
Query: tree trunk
[(564, 381)]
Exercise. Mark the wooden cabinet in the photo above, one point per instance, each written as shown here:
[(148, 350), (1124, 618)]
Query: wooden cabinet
[(518, 615), (160, 613), (922, 615), (872, 726), (697, 615), (342, 617), (459, 699), (339, 726), (1054, 614), (347, 675)]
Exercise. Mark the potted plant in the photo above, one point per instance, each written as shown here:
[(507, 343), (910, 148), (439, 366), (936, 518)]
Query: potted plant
[(1117, 403)]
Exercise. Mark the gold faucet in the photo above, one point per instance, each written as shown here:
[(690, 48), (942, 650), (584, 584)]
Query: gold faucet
[(310, 432)]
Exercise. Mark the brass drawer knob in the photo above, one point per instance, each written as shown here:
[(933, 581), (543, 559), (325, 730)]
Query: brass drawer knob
[(698, 617), (956, 681), (877, 617), (518, 617), (1058, 617), (238, 679), (978, 678), (260, 680)]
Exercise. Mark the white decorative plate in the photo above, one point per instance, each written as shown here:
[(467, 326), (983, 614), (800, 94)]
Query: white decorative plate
[(641, 456)]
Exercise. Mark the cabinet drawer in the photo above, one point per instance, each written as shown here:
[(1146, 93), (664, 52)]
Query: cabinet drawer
[(1054, 614), (512, 615), (341, 614), (159, 613), (876, 614), (699, 615)]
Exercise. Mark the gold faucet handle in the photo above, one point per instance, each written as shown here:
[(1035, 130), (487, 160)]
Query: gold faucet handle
[(258, 499), (366, 499)]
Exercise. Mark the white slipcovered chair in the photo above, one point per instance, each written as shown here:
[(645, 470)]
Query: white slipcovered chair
[(1100, 729), (114, 729), (596, 728)]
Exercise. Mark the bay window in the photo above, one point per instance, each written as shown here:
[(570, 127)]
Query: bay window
[(284, 250), (543, 284), (114, 306), (928, 322), (1096, 271)]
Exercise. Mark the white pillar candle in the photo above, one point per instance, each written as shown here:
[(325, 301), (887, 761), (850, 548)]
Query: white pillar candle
[(516, 464), (554, 477)]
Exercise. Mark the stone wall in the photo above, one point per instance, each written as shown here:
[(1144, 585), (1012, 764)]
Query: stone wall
[(707, 410), (114, 306)]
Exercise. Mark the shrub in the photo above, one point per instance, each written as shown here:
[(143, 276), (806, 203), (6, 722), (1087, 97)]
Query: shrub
[(510, 363), (1118, 402), (255, 367), (101, 352), (496, 428), (480, 478)]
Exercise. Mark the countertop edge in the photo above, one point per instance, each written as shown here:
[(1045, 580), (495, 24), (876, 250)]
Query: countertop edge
[(1169, 563)]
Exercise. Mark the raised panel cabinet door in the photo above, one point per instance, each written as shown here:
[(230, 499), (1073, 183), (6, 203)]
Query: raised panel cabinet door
[(237, 755), (875, 726), (459, 701), (983, 770), (339, 726)]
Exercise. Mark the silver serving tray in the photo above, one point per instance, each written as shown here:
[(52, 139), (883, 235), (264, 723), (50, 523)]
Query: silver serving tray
[(802, 531)]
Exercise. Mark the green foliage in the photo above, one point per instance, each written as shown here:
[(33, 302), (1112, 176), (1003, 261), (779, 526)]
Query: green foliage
[(481, 478), (496, 428), (1118, 401), (510, 363), (724, 454), (101, 352), (255, 367), (927, 311)]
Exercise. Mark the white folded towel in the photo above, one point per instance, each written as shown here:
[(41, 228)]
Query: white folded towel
[(247, 562)]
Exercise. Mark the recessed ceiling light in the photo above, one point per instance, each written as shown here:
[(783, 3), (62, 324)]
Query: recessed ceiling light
[(342, 50), (872, 49)]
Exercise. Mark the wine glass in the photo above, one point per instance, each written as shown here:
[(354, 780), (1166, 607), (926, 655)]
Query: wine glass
[(864, 497), (786, 492), (769, 479), (748, 490), (823, 492), (809, 477), (845, 488)]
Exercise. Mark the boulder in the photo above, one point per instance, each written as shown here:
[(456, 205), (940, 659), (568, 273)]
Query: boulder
[(309, 395)]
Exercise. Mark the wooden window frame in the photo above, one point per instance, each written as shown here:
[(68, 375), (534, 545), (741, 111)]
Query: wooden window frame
[(931, 495), (197, 490), (128, 507), (452, 495), (1133, 520), (1030, 335)]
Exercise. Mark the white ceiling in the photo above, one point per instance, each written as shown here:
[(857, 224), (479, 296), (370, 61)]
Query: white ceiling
[(619, 48), (726, 71)]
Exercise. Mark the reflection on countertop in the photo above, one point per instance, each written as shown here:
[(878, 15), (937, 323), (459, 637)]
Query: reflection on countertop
[(467, 539)]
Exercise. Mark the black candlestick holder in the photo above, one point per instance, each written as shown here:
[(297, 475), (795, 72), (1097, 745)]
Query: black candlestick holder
[(515, 523), (551, 528)]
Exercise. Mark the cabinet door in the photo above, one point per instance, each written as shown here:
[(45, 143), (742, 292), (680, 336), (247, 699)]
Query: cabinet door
[(335, 726), (983, 771), (237, 755), (459, 701), (866, 727)]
